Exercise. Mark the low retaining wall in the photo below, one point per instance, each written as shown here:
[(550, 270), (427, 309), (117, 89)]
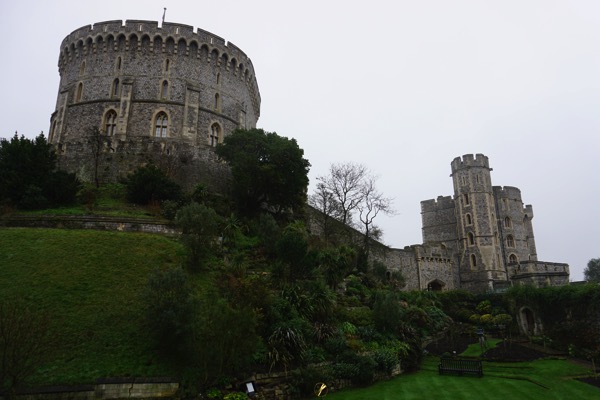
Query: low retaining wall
[(105, 389), (125, 224), (276, 385)]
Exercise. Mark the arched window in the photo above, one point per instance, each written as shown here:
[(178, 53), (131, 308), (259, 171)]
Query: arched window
[(510, 241), (79, 92), (118, 64), (512, 258), (164, 90), (116, 88), (468, 218), (471, 238), (167, 65), (473, 261), (110, 123), (215, 133), (218, 78), (466, 199), (507, 222), (82, 68), (161, 124)]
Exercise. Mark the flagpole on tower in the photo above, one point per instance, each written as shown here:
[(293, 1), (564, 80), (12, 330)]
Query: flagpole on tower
[(164, 13)]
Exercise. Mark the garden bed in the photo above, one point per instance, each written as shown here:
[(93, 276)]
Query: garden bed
[(509, 352), (513, 352), (590, 381), (449, 345)]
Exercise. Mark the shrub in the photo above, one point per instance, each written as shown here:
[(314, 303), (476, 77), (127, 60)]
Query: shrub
[(26, 166), (360, 369), (386, 358), (235, 396), (169, 208), (268, 231), (201, 227), (88, 195), (115, 191), (304, 379), (148, 184), (336, 344), (33, 198), (61, 188), (168, 302), (214, 393)]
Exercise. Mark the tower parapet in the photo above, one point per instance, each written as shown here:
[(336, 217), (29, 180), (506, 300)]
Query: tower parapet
[(468, 160), (508, 192), (438, 220)]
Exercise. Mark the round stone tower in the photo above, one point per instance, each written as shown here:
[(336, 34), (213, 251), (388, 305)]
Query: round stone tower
[(480, 260), (137, 92), (515, 226)]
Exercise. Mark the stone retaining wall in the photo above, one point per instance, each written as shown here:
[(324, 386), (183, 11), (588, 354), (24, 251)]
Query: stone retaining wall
[(105, 389), (123, 224)]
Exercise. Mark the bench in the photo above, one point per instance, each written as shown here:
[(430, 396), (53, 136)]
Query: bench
[(460, 366)]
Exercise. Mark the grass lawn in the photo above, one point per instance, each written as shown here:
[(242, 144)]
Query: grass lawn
[(90, 284), (111, 201), (542, 379)]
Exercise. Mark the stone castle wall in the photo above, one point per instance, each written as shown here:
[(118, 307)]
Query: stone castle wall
[(514, 220), (439, 220), (539, 273), (153, 93), (478, 240)]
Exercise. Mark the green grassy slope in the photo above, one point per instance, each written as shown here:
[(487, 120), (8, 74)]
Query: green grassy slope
[(90, 284)]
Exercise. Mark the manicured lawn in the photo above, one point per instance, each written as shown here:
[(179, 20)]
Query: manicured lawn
[(542, 379), (474, 350)]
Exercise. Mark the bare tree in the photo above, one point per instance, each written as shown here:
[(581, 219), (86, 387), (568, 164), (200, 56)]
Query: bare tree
[(324, 201), (344, 185), (351, 189), (98, 143), (373, 202)]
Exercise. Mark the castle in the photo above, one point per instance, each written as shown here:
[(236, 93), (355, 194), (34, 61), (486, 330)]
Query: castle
[(137, 92), (481, 239)]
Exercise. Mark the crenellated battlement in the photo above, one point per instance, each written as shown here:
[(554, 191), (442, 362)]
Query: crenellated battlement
[(151, 28), (134, 39), (434, 205), (507, 192), (178, 39), (468, 160)]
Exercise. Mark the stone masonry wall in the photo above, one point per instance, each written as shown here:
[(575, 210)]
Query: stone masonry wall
[(139, 72)]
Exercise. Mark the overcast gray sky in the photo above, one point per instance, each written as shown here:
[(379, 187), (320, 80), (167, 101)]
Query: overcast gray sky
[(400, 86)]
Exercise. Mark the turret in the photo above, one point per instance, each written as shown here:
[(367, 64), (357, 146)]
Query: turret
[(480, 258)]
